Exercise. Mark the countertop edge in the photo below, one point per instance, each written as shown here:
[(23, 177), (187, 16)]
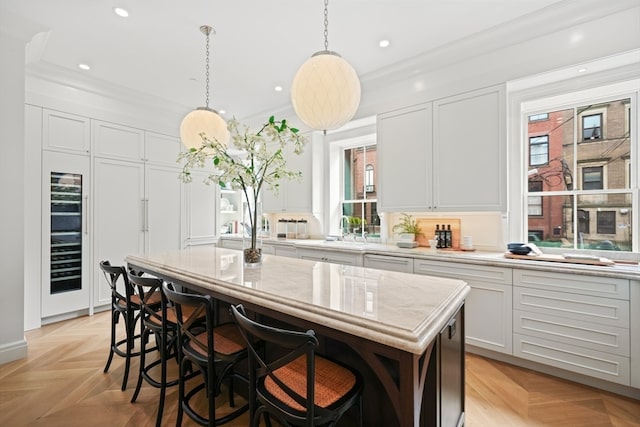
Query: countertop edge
[(494, 259), (415, 342)]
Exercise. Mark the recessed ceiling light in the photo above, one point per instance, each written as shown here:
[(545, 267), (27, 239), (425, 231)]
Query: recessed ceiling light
[(582, 70), (278, 88), (222, 111), (84, 67), (121, 12), (384, 43)]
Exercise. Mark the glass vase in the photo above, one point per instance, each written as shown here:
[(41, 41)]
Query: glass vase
[(251, 235)]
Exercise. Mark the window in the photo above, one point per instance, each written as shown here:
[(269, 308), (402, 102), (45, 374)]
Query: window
[(606, 222), (358, 193), (592, 178), (591, 126), (369, 186), (538, 117), (572, 182), (538, 150), (535, 202), (583, 221)]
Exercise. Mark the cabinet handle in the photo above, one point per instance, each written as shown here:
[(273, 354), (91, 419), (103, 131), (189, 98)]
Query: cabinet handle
[(146, 214), (85, 215), (452, 328), (143, 215)]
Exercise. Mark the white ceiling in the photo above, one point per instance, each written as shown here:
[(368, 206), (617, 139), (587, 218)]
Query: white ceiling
[(159, 49)]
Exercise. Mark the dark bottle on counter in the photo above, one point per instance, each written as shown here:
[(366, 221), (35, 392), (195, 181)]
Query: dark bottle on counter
[(448, 236), (438, 236)]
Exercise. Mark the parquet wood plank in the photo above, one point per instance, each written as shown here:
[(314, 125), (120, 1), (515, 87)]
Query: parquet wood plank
[(61, 383)]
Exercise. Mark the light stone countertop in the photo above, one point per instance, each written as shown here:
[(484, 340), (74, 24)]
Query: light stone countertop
[(401, 310), (496, 259)]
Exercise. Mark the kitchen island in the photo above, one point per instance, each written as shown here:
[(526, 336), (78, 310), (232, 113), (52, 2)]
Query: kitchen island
[(389, 325)]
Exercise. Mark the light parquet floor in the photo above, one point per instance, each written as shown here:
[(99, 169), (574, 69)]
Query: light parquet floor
[(61, 383)]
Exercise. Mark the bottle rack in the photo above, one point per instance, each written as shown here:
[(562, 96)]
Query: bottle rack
[(66, 232)]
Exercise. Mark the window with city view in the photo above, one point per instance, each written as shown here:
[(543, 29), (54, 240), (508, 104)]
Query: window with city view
[(359, 190), (579, 172)]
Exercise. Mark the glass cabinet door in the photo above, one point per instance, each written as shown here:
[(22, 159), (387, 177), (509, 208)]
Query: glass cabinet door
[(65, 234)]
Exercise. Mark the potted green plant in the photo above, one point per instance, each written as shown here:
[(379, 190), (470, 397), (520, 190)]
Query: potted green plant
[(407, 228), (256, 162)]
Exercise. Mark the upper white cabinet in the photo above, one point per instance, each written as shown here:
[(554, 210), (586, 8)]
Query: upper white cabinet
[(118, 142), (161, 149), (404, 144), (294, 195), (469, 151), (448, 155), (65, 132)]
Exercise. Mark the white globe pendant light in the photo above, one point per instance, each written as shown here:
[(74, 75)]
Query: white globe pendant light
[(325, 92), (204, 120)]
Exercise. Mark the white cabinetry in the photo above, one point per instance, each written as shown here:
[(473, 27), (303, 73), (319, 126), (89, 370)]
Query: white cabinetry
[(65, 233), (634, 331), (201, 210), (574, 322), (469, 151), (65, 132), (278, 249), (117, 142), (404, 145), (488, 307), (389, 263), (138, 199), (332, 256), (447, 155), (294, 195), (231, 244)]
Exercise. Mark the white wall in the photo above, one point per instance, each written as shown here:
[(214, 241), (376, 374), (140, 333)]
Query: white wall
[(12, 160)]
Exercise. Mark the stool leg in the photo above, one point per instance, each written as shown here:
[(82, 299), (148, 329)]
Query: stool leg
[(114, 317), (144, 336), (162, 346), (129, 325)]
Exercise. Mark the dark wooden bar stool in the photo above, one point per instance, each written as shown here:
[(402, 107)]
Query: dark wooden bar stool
[(160, 321), (126, 303), (214, 348), (298, 387)]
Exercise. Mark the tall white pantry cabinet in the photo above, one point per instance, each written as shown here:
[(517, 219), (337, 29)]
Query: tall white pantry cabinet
[(132, 200)]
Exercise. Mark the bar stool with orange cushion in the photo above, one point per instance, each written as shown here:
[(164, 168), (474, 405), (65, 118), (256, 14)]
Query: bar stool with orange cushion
[(159, 321), (208, 346), (300, 387), (126, 303)]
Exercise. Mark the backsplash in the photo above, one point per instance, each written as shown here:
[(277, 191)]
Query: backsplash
[(486, 228)]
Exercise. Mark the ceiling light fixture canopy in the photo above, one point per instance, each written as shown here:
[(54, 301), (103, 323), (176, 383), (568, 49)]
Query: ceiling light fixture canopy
[(326, 90), (204, 120)]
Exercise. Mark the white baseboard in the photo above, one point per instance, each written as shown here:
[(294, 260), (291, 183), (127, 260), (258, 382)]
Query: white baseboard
[(13, 351)]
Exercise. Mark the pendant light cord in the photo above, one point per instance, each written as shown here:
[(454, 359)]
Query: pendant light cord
[(207, 30), (326, 25)]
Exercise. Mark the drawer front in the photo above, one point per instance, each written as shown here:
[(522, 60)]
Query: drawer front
[(605, 338), (268, 249), (581, 284), (606, 366), (334, 257), (467, 272), (390, 263), (286, 251), (231, 244), (605, 311)]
